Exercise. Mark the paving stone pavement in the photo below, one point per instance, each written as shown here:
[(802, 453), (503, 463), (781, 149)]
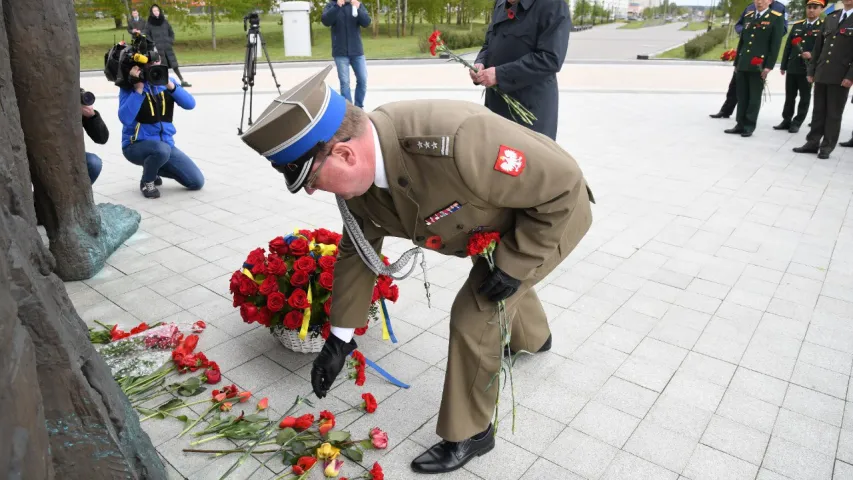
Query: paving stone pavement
[(702, 329)]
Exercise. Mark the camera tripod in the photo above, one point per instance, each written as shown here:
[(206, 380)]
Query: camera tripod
[(253, 38)]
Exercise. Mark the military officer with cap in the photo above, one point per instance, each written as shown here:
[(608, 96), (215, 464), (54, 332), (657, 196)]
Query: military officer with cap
[(797, 54), (435, 172), (757, 50), (832, 74)]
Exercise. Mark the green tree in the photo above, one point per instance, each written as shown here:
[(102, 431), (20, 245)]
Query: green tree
[(232, 10), (118, 10)]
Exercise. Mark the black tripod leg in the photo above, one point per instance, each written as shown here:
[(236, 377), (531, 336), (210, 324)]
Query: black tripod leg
[(248, 79), (267, 55)]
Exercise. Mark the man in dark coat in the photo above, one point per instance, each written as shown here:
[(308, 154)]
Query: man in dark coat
[(525, 47), (160, 31), (135, 24)]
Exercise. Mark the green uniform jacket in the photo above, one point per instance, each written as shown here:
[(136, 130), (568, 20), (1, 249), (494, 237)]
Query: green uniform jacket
[(761, 38), (792, 62), (832, 55), (455, 168)]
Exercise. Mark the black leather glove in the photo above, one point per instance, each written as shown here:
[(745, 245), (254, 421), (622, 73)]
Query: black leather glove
[(329, 363), (499, 286)]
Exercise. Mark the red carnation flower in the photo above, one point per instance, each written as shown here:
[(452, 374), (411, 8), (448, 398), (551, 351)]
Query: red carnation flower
[(369, 402), (306, 264), (796, 41), (275, 301), (298, 247), (756, 61), (510, 14), (298, 299), (213, 376), (433, 242), (299, 278), (376, 472)]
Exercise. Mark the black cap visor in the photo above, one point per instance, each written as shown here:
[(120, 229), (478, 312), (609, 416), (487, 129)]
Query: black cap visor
[(297, 172)]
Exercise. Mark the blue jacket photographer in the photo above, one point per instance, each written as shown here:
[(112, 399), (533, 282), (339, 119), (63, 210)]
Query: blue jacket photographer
[(346, 18), (146, 112)]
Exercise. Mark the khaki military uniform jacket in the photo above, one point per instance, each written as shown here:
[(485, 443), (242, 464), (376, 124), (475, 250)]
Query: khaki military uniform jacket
[(761, 38), (832, 56), (455, 168), (792, 62)]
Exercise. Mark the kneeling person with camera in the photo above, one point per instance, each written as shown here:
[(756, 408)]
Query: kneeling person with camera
[(146, 111)]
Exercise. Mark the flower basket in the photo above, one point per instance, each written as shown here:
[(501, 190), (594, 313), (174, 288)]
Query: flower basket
[(289, 290)]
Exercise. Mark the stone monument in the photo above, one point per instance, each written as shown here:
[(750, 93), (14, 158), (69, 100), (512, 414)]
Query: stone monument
[(63, 415)]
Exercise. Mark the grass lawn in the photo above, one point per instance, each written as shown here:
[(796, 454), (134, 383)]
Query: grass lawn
[(714, 53), (194, 46), (643, 24)]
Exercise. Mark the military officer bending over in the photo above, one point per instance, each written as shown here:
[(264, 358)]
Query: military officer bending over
[(796, 56), (757, 50), (434, 171)]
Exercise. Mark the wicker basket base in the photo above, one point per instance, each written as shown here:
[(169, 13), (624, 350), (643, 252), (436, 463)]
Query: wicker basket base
[(290, 339)]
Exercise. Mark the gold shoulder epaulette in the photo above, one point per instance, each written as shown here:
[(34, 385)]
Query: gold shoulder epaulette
[(798, 21), (751, 13), (774, 12)]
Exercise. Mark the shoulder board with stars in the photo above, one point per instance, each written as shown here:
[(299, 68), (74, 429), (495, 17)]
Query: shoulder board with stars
[(798, 21), (774, 12), (750, 13), (435, 145)]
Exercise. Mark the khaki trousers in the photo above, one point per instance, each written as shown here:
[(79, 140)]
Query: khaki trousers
[(473, 354)]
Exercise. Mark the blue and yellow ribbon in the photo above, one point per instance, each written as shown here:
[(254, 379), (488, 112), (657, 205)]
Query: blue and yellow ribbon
[(387, 331)]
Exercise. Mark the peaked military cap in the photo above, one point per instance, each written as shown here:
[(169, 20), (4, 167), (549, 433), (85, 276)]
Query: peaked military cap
[(822, 3), (296, 126)]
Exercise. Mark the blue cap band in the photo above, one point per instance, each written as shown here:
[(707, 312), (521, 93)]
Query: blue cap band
[(323, 131)]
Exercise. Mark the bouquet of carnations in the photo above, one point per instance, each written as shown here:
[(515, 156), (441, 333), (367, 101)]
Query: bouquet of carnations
[(728, 55), (290, 288)]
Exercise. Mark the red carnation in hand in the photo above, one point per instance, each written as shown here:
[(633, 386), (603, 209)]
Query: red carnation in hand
[(298, 247), (293, 320), (299, 278), (275, 301), (276, 266), (756, 61), (278, 246), (327, 263), (269, 286), (796, 41), (298, 299), (326, 280), (306, 264)]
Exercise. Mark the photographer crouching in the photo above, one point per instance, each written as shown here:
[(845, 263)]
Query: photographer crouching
[(95, 128), (146, 112)]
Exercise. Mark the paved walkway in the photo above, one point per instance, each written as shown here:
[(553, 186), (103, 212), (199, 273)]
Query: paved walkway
[(701, 329), (614, 43)]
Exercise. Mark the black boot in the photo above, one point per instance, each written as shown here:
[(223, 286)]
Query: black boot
[(737, 129), (447, 456), (807, 148), (848, 143), (783, 126), (719, 115)]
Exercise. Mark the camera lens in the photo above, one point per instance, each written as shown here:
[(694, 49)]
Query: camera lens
[(87, 98)]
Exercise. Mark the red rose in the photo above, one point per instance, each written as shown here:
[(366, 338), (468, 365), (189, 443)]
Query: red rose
[(275, 301), (287, 422), (265, 316), (327, 263), (255, 257), (298, 247), (327, 307), (248, 286), (298, 299), (361, 331), (259, 268), (307, 234), (299, 278), (304, 422), (326, 330), (369, 402), (326, 236), (276, 266), (234, 284), (293, 320), (249, 313), (213, 376), (327, 280), (306, 264), (269, 286), (278, 246), (238, 300)]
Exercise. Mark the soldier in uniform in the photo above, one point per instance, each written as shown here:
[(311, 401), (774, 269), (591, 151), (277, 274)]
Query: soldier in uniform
[(832, 76), (435, 172), (794, 60), (757, 50)]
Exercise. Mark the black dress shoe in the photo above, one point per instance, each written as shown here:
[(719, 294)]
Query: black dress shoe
[(738, 129), (782, 126), (447, 456), (806, 149), (848, 143), (719, 115), (746, 134), (793, 129), (823, 155), (544, 348)]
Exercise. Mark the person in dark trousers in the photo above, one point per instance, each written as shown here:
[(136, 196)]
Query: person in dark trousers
[(97, 130), (794, 60), (832, 75), (731, 95), (346, 18), (135, 24), (525, 47), (160, 31)]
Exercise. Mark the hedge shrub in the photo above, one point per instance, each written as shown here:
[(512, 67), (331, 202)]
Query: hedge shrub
[(704, 43), (456, 40)]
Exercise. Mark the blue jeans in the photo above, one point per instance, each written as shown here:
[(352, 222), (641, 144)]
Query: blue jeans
[(359, 67), (93, 164), (159, 158)]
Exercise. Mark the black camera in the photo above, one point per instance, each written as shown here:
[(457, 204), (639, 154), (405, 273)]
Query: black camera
[(252, 20), (121, 58), (86, 98)]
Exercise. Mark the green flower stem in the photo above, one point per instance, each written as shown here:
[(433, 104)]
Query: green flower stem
[(225, 452), (196, 421), (205, 440)]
